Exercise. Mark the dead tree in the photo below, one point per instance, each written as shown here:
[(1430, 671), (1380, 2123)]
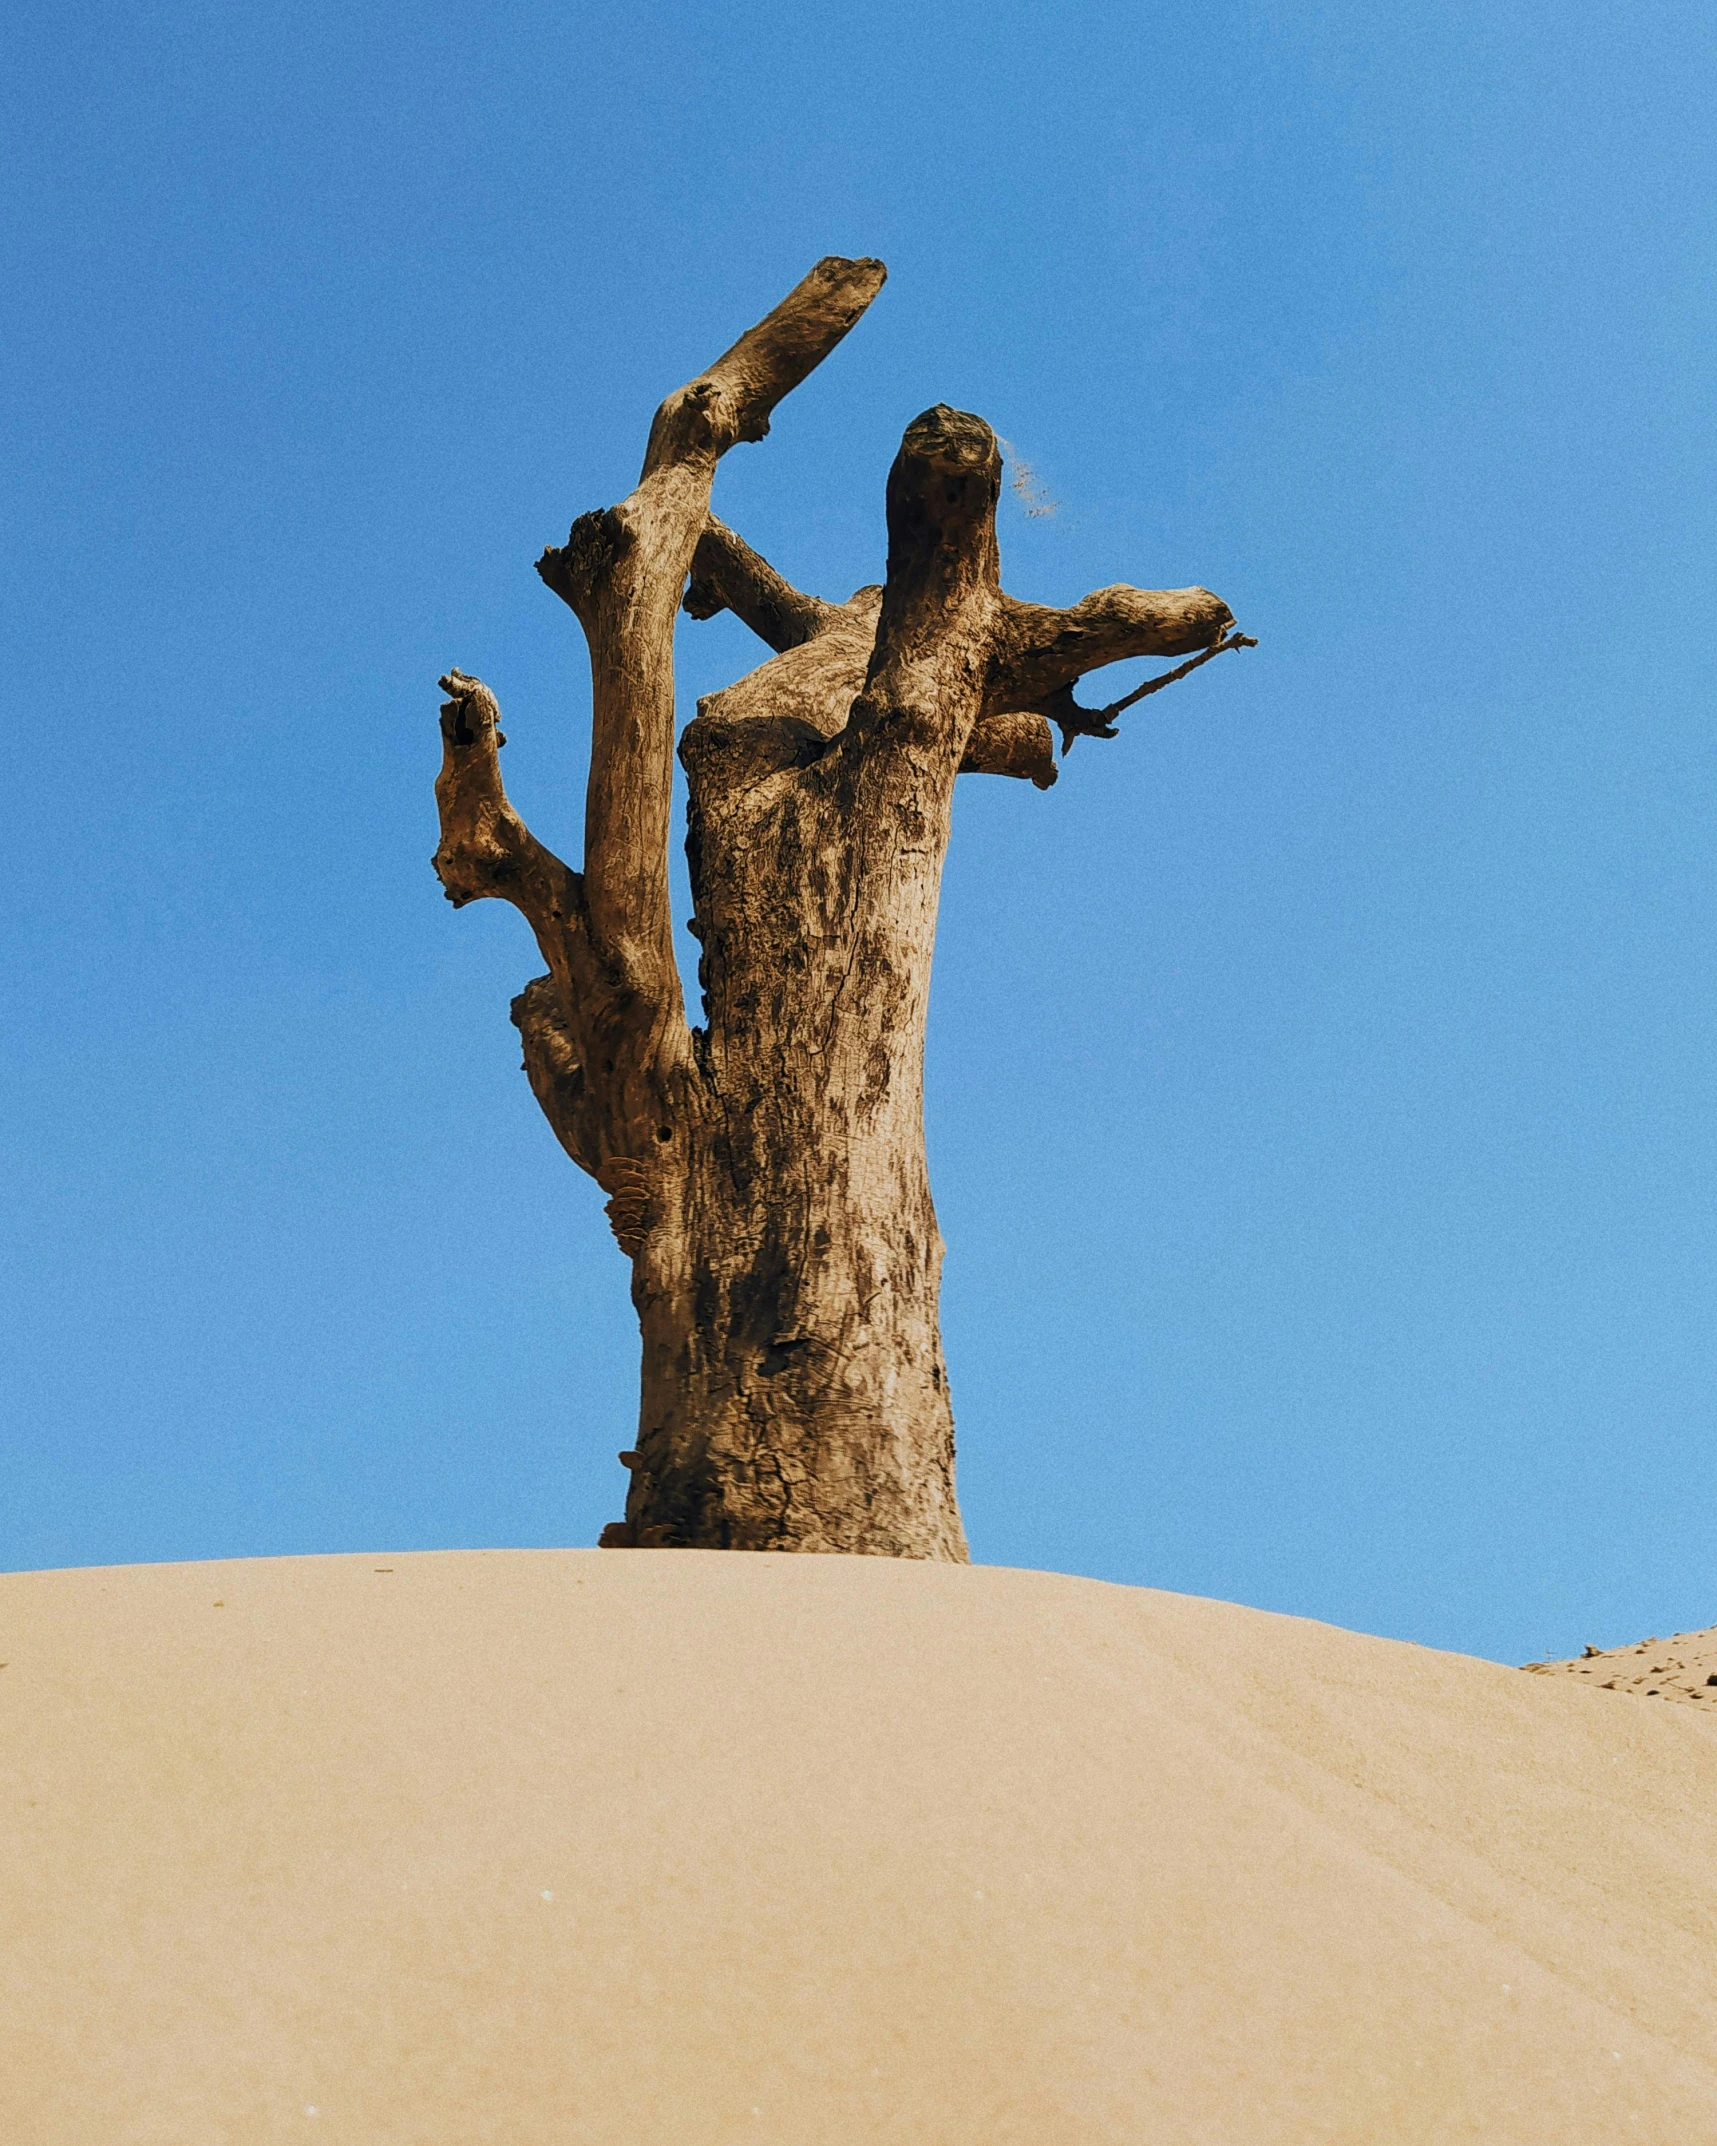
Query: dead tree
[(765, 1172)]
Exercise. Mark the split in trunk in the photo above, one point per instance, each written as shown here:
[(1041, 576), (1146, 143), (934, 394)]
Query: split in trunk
[(765, 1172)]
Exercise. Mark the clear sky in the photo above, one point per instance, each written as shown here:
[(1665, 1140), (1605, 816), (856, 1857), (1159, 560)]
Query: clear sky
[(1323, 1077)]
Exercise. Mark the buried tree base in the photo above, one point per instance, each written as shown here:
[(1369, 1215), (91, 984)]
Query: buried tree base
[(552, 1847)]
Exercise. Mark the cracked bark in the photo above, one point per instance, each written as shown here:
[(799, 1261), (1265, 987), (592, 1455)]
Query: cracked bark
[(765, 1171)]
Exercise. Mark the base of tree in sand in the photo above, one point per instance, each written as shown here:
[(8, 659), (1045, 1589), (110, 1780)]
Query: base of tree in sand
[(566, 1849)]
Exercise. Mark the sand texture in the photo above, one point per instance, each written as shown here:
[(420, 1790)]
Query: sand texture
[(631, 1848), (1682, 1667)]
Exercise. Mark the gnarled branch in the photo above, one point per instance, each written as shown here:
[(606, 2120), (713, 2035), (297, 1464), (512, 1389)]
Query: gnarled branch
[(623, 571), (923, 686), (486, 849), (733, 399), (487, 852), (1016, 744), (727, 575), (1039, 653), (1039, 650), (941, 507), (1077, 721), (937, 561)]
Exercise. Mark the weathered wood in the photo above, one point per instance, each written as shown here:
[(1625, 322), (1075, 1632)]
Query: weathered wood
[(765, 1170)]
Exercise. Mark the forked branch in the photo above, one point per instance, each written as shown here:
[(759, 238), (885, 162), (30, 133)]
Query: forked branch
[(1076, 721), (623, 571), (487, 852), (1040, 653), (486, 849)]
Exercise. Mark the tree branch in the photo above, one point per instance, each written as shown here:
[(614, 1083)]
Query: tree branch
[(733, 399), (1076, 721), (623, 571), (727, 575), (923, 685), (941, 503), (1039, 650), (487, 851), (942, 610), (1016, 744), (1039, 653)]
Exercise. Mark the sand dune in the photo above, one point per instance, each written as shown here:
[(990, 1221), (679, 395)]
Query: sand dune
[(623, 1849), (1682, 1667)]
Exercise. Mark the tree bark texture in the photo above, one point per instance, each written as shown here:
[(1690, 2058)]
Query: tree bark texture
[(765, 1169)]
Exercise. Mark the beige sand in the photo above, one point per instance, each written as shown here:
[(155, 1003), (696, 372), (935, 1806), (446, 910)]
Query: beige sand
[(633, 1848), (1682, 1667)]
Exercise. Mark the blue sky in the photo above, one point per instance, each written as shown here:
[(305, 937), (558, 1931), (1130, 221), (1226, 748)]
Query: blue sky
[(1322, 1077)]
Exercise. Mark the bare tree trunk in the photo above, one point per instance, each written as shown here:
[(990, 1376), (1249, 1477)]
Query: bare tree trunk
[(766, 1171)]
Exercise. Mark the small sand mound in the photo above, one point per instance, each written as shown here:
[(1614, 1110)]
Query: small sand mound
[(668, 1849), (1682, 1667)]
